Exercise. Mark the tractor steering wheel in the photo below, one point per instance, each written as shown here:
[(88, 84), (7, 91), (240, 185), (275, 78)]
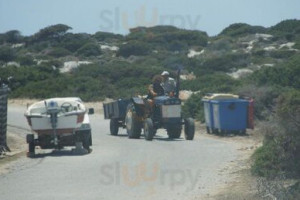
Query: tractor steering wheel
[(66, 107)]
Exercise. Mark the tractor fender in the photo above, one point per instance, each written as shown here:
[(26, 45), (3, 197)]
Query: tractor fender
[(137, 100), (139, 105)]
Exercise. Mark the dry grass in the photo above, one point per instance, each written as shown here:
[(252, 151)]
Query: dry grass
[(18, 148)]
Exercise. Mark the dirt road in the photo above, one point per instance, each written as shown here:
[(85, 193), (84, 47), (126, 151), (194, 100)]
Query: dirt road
[(119, 168)]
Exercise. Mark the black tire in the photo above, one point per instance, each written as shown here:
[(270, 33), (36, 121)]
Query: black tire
[(114, 127), (189, 129), (174, 132), (31, 149), (208, 130), (148, 129), (31, 145), (29, 138), (133, 126), (86, 139), (154, 131)]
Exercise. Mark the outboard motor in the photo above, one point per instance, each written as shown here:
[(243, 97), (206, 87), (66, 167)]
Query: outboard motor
[(53, 109)]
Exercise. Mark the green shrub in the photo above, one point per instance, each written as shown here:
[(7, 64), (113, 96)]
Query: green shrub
[(2, 38), (13, 37), (7, 54), (58, 52), (223, 63), (89, 49), (266, 160), (297, 43), (162, 29), (211, 83), (282, 54), (73, 42), (280, 153), (104, 36), (54, 62), (285, 75), (162, 37), (222, 44), (38, 46), (264, 98), (240, 29), (177, 46), (51, 32), (26, 60), (135, 48), (193, 107), (288, 26)]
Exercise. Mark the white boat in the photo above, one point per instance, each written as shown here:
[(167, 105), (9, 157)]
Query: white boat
[(59, 122), (62, 115)]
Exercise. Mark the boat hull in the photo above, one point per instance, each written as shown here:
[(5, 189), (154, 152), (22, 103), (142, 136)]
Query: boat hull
[(65, 124)]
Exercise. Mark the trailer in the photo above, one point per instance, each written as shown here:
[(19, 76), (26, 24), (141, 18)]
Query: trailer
[(116, 112)]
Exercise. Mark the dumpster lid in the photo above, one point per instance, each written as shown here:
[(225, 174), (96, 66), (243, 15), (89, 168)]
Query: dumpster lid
[(217, 101), (217, 96)]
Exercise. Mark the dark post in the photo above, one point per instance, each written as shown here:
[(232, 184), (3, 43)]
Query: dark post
[(3, 118), (178, 83)]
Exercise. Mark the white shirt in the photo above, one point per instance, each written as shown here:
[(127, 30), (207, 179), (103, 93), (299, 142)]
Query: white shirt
[(169, 85)]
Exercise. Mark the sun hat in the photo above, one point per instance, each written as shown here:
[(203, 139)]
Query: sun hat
[(165, 73)]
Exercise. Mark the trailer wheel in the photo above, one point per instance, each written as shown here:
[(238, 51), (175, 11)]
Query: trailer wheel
[(31, 145), (114, 127), (86, 139), (189, 129), (133, 126), (174, 132), (148, 129)]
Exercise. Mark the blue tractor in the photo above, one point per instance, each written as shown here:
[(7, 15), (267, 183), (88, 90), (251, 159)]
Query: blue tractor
[(136, 114)]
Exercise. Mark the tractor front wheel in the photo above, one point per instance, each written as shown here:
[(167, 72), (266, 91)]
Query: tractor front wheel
[(189, 129), (148, 129)]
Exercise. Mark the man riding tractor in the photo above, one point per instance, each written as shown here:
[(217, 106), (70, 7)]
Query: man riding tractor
[(158, 110)]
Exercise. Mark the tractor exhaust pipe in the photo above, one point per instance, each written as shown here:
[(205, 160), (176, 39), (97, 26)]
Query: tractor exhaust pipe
[(178, 83)]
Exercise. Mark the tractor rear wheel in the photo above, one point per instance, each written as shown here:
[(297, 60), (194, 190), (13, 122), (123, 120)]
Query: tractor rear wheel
[(174, 132), (189, 129), (148, 129), (133, 126)]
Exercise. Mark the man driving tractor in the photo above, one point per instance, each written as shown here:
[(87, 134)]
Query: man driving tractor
[(156, 89), (168, 84), (162, 85)]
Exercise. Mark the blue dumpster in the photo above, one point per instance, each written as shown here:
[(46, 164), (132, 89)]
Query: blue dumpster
[(208, 115), (230, 115), (208, 109)]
